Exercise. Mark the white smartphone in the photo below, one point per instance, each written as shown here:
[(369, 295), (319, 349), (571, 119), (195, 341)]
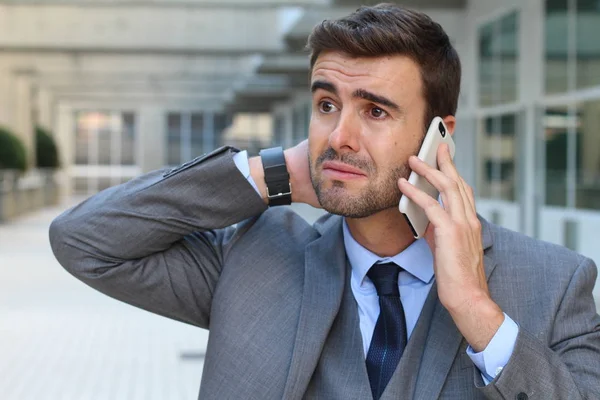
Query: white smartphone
[(415, 216)]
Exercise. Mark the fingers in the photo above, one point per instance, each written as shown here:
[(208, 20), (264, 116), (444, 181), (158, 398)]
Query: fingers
[(470, 196), (445, 180), (435, 213), (448, 167), (457, 195)]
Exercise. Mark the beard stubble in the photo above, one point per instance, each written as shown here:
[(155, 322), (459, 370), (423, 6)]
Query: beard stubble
[(379, 194)]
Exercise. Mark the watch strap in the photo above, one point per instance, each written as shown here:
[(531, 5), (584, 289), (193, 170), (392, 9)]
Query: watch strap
[(277, 178)]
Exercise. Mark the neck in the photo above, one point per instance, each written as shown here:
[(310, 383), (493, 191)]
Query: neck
[(385, 233)]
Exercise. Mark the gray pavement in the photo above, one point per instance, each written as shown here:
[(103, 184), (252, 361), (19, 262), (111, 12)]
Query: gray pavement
[(61, 340)]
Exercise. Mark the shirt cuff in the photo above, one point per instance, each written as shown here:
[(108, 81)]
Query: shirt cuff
[(495, 356), (241, 162)]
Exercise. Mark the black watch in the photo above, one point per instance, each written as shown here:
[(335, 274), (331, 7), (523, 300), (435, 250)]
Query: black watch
[(277, 178)]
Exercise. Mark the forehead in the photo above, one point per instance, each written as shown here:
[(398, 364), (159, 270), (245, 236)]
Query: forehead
[(392, 74)]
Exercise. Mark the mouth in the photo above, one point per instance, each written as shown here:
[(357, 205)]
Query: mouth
[(340, 171)]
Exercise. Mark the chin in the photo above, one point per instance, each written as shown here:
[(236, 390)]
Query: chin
[(338, 201)]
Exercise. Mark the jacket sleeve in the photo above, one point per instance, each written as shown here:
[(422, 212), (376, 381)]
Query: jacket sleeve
[(159, 242), (568, 367)]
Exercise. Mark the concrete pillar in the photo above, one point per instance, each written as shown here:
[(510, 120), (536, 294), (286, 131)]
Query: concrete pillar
[(151, 137), (466, 132), (64, 131), (6, 104), (45, 108), (23, 125), (531, 43)]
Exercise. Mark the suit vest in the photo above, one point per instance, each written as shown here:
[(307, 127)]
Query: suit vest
[(342, 373)]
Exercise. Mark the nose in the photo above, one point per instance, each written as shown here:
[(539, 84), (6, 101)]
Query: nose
[(345, 136)]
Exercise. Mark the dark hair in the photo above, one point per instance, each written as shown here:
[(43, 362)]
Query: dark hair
[(387, 29)]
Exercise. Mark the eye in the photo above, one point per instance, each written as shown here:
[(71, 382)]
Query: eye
[(377, 113), (326, 107)]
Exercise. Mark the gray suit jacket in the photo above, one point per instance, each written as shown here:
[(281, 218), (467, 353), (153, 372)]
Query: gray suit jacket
[(197, 244)]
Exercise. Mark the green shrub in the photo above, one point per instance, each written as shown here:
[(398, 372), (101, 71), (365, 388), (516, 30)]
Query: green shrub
[(12, 151), (46, 151)]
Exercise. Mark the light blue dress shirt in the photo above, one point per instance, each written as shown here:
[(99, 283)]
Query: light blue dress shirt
[(414, 283)]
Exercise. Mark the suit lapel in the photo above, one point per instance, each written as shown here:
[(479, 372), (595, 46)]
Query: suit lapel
[(487, 239), (440, 350), (444, 338), (324, 278)]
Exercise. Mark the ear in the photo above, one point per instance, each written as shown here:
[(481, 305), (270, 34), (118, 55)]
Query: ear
[(450, 122)]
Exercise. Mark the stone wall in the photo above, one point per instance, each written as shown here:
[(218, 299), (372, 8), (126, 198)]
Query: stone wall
[(20, 195)]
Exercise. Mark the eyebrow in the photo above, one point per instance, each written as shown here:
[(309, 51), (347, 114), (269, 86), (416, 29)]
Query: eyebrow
[(358, 93)]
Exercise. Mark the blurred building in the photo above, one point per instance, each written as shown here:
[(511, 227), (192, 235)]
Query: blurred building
[(130, 86)]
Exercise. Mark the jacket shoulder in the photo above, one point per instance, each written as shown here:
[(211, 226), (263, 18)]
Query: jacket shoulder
[(534, 264), (517, 246)]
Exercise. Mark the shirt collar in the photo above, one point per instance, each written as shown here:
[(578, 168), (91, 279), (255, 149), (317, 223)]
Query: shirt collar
[(416, 259)]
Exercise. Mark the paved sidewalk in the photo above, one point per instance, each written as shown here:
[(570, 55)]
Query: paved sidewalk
[(61, 340)]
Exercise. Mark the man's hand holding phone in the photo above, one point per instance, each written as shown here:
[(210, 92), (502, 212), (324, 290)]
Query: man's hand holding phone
[(436, 135), (454, 236)]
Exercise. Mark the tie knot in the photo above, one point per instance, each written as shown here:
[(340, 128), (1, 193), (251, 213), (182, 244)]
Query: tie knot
[(385, 279)]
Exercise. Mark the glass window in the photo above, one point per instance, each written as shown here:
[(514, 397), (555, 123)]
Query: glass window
[(128, 139), (104, 182), (278, 133), (298, 120), (588, 44), (557, 122), (557, 48), (497, 154), (264, 125), (587, 155), (173, 139), (307, 117), (82, 139), (104, 129), (509, 58), (97, 138), (80, 185), (498, 61), (486, 64), (573, 155), (572, 45), (220, 123), (197, 134)]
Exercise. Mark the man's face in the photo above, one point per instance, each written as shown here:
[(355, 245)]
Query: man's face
[(367, 120)]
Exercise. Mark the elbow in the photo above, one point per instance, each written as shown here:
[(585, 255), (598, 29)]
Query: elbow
[(72, 250), (58, 236)]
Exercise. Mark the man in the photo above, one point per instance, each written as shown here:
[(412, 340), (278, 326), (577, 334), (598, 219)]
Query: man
[(351, 307)]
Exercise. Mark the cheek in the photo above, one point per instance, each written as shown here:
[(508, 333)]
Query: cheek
[(318, 135), (389, 156), (401, 144)]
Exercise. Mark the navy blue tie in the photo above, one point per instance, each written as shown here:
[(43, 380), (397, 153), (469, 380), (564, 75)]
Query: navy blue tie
[(389, 336)]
